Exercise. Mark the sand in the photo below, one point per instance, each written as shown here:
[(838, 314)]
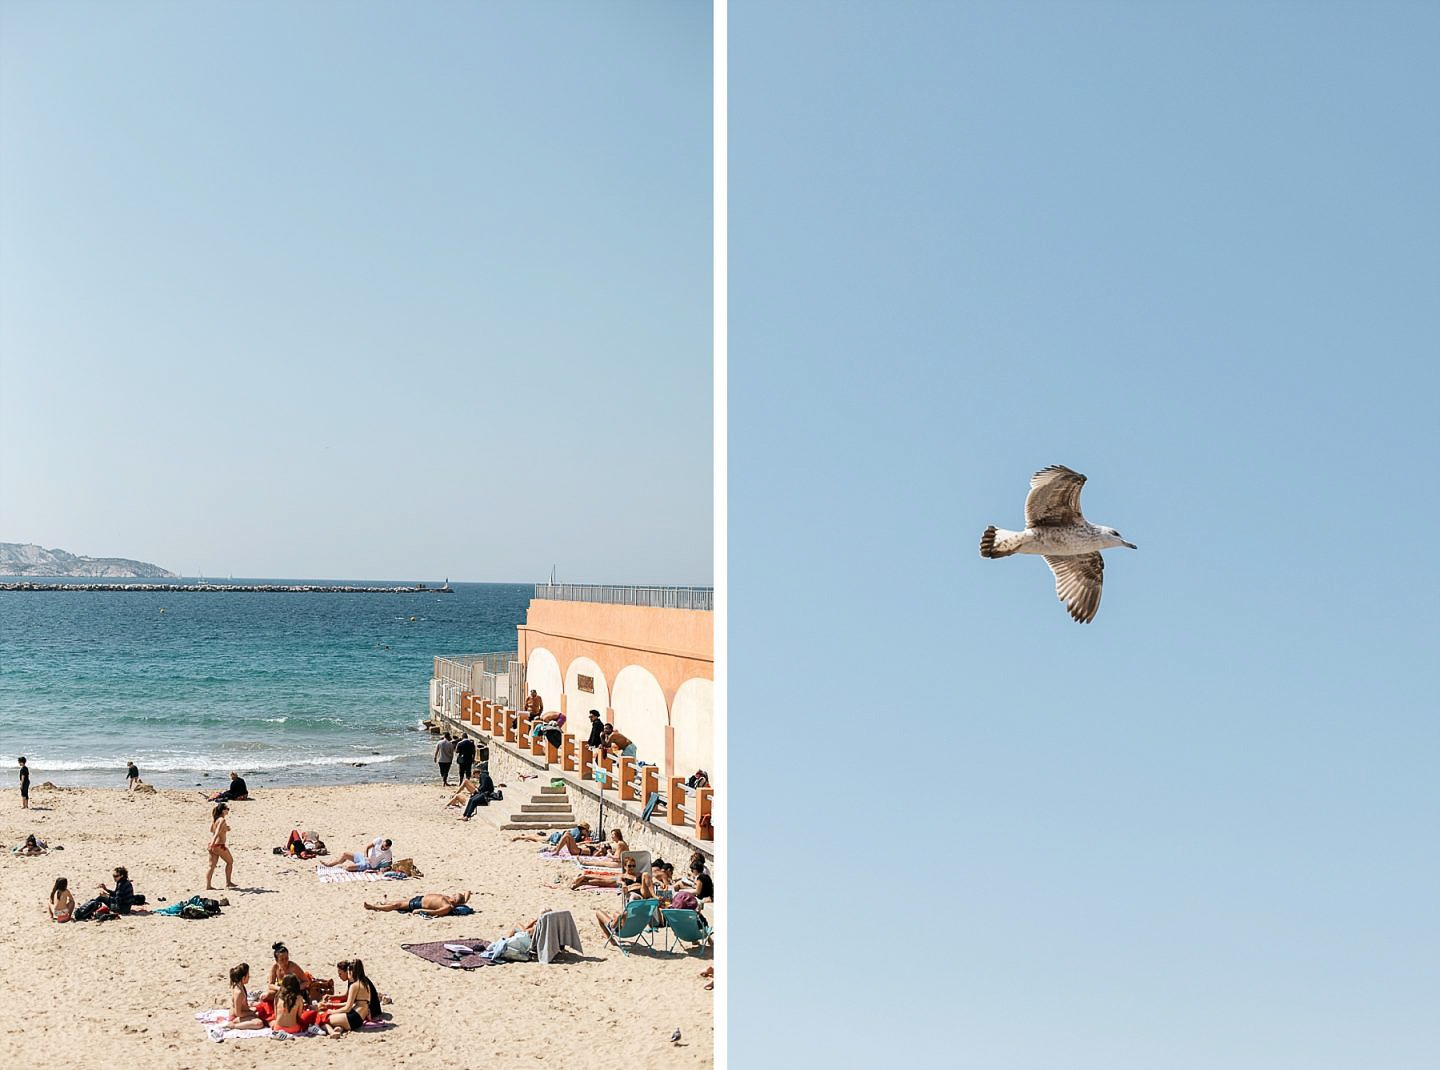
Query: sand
[(124, 993)]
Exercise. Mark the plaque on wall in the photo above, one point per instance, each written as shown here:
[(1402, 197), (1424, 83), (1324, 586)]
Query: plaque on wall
[(585, 683)]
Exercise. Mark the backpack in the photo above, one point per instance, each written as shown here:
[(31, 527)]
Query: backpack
[(190, 910)]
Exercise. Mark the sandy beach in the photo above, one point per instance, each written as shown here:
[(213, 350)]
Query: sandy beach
[(125, 992)]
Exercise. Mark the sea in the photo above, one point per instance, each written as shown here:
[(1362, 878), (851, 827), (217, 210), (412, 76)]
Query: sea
[(292, 688)]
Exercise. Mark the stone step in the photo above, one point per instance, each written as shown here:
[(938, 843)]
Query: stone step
[(536, 826), (546, 807), (564, 819), (547, 789)]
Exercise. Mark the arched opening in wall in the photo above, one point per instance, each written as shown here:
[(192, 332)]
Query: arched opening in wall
[(693, 718), (542, 673), (585, 690), (640, 713)]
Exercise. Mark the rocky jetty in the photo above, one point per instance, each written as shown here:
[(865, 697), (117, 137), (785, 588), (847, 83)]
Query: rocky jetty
[(216, 588)]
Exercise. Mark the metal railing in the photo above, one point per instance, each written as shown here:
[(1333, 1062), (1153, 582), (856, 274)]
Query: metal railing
[(655, 597), (496, 677)]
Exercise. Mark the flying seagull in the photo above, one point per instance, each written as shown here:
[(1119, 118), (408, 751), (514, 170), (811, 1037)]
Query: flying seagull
[(1069, 543)]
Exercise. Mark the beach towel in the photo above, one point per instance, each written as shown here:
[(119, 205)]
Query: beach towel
[(214, 1024), (338, 875), (555, 932), (448, 953)]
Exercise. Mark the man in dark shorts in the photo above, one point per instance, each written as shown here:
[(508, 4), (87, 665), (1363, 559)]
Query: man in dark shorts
[(465, 756), (24, 785)]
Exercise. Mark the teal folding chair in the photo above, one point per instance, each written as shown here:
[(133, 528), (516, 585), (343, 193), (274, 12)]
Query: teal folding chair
[(686, 927), (635, 925)]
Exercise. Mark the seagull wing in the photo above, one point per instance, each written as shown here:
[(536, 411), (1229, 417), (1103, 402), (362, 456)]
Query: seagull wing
[(1078, 580), (1054, 499)]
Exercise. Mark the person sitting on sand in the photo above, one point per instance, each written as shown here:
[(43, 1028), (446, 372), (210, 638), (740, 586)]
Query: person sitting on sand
[(62, 903), (236, 790), (282, 968), (241, 1014), (122, 898), (292, 1013), (615, 848), (32, 846), (656, 882), (481, 796), (431, 905), (627, 878), (361, 1002), (375, 857), (699, 880)]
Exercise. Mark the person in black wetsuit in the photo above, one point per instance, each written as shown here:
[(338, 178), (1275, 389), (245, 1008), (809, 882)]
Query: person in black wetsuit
[(24, 785)]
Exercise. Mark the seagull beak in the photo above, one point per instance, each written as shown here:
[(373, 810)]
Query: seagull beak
[(1129, 544)]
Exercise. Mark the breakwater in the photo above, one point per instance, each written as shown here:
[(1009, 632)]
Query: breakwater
[(223, 588)]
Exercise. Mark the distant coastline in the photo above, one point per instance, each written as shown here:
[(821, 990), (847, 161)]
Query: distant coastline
[(30, 559)]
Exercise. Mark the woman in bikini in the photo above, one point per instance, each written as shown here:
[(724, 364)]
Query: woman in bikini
[(291, 1013), (362, 1002), (62, 903), (241, 1016), (219, 829), (627, 878)]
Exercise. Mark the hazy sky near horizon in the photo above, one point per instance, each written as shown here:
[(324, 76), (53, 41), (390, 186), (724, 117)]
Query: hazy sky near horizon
[(1193, 251), (355, 291)]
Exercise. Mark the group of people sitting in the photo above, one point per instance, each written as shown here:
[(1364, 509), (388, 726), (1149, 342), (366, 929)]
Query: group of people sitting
[(294, 1001), (475, 792), (109, 903), (690, 892)]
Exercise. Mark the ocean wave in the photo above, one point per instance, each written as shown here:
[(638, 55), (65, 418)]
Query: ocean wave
[(189, 763)]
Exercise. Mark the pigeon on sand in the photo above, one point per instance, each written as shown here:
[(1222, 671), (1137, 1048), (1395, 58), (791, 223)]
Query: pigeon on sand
[(1070, 544)]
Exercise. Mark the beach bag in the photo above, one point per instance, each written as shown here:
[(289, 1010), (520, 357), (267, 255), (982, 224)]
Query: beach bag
[(405, 866), (497, 795), (210, 906), (318, 988), (87, 909), (193, 911)]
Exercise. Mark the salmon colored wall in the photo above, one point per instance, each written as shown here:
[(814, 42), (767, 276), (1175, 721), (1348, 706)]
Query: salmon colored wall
[(673, 644)]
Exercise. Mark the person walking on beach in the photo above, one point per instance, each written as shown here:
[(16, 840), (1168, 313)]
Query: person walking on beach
[(24, 785), (132, 776), (219, 830), (465, 756), (444, 755)]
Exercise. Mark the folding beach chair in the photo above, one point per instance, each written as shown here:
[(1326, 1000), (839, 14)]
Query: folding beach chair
[(642, 860), (635, 925), (686, 927)]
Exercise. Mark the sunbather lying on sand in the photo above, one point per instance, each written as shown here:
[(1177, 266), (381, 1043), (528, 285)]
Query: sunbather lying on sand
[(579, 834), (614, 849), (433, 905), (31, 846), (626, 878), (377, 856)]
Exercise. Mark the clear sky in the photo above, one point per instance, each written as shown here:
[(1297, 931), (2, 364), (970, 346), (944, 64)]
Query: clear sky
[(357, 289), (1192, 251)]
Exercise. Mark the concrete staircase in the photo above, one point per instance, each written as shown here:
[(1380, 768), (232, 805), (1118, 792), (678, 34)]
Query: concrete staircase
[(548, 810)]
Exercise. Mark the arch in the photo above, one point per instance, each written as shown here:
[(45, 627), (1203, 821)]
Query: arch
[(578, 704), (639, 704), (542, 673), (692, 715)]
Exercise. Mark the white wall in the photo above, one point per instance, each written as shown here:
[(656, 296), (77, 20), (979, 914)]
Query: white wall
[(578, 704), (693, 717), (639, 703), (542, 673)]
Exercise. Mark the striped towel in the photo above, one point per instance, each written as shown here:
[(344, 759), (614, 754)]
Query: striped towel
[(340, 875)]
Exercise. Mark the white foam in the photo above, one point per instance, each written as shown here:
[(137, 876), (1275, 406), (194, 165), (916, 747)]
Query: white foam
[(193, 763)]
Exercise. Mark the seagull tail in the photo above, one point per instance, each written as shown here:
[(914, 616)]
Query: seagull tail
[(997, 542)]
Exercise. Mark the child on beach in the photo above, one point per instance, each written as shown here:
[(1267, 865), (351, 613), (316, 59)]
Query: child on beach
[(241, 1016), (24, 785), (132, 776), (62, 902)]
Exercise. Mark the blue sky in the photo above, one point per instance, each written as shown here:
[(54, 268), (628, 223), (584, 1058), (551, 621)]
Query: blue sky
[(334, 289), (1191, 251)]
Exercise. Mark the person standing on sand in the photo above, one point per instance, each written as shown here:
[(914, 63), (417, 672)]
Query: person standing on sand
[(219, 830), (132, 776), (24, 785), (444, 755), (465, 756)]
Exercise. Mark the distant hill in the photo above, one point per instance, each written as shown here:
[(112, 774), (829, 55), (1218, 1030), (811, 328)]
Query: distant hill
[(27, 559)]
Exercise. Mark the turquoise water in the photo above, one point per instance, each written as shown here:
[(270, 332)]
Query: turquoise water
[(283, 688)]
